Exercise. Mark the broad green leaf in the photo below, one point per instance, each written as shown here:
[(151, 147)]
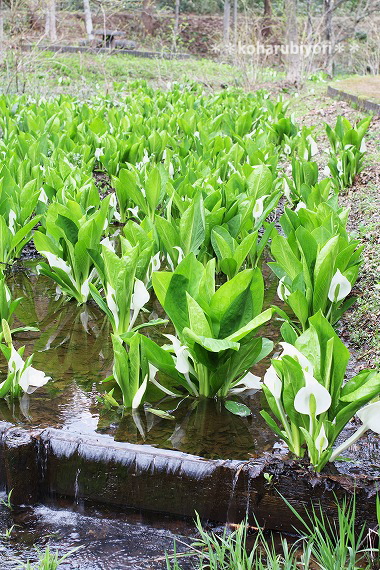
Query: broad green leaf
[(237, 408), (252, 325), (210, 344), (285, 257), (153, 188), (198, 321), (192, 226), (231, 307)]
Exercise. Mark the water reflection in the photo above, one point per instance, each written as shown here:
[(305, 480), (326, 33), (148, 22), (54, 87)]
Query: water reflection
[(73, 347), (201, 427)]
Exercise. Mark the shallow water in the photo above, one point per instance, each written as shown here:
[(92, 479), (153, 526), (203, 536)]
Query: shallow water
[(73, 347), (109, 541)]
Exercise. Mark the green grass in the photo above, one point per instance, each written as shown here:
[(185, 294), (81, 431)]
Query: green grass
[(48, 560), (83, 74), (321, 544)]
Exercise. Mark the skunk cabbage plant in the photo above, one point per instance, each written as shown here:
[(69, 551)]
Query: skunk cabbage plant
[(215, 343), (307, 394), (317, 263), (65, 243), (21, 376)]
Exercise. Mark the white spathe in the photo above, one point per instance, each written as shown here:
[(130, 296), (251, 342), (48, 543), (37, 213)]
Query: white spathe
[(300, 206), (57, 262), (180, 257), (15, 363), (248, 382), (293, 352), (340, 287), (312, 388), (321, 441), (152, 378), (282, 290), (12, 220), (287, 190), (182, 362), (139, 298), (182, 355), (43, 197), (273, 382), (140, 295), (180, 253), (107, 243), (29, 378), (313, 145), (258, 208), (85, 288), (8, 297), (370, 416), (111, 304), (156, 262), (140, 393)]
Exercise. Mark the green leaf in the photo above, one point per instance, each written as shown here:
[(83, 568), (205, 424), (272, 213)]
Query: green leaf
[(153, 188), (272, 424), (23, 232), (252, 325), (229, 267), (160, 413), (222, 242), (285, 257), (365, 385), (232, 305), (69, 227), (260, 181), (288, 333), (210, 344), (237, 408), (197, 318), (168, 235), (192, 226), (297, 302)]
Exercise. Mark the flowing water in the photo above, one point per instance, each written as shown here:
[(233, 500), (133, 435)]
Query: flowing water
[(107, 540)]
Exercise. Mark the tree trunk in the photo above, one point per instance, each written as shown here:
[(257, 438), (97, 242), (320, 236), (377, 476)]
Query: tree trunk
[(176, 24), (309, 25), (2, 47), (33, 15), (147, 16), (47, 19), (88, 19), (267, 20), (328, 34), (50, 25), (226, 22), (293, 62), (235, 24)]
